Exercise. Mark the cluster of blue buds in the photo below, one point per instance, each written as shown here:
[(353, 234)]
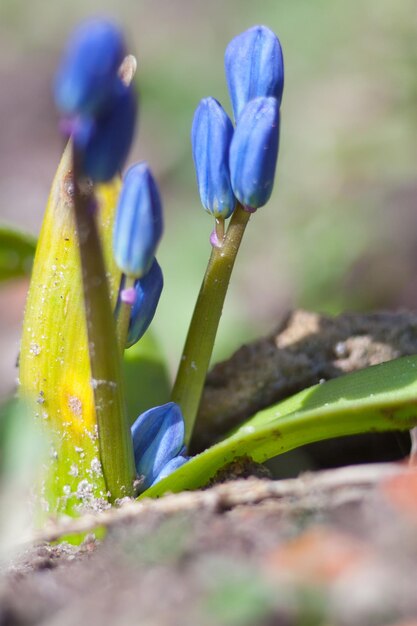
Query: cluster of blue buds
[(100, 109), (158, 442), (240, 163)]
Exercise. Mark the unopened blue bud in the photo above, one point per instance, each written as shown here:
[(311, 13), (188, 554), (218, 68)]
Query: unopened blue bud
[(254, 152), (158, 437), (254, 67), (87, 76), (170, 467), (104, 142), (148, 291), (139, 223), (211, 135)]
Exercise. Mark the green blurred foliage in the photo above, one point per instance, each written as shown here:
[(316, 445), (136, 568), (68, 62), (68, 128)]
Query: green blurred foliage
[(16, 253), (21, 450), (147, 382), (342, 202)]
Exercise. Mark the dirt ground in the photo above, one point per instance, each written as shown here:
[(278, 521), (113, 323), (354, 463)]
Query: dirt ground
[(333, 547)]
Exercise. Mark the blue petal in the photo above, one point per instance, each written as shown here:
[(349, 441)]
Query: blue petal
[(211, 135), (254, 152), (148, 291), (104, 143), (158, 437), (87, 76), (170, 467), (254, 67), (139, 224)]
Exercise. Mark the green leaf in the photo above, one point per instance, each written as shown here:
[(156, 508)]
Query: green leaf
[(17, 250), (376, 399), (147, 382), (54, 373)]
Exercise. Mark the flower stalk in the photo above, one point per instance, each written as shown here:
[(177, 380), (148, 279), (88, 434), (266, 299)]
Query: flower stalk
[(195, 360), (115, 443), (127, 300), (219, 228)]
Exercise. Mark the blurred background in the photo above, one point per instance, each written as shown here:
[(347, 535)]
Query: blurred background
[(340, 231)]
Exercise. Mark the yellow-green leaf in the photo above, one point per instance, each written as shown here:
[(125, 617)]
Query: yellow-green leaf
[(55, 373)]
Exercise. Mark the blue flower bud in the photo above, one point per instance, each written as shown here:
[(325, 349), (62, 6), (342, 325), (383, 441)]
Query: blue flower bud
[(87, 76), (254, 67), (148, 291), (254, 151), (170, 467), (211, 135), (138, 226), (103, 143), (158, 437)]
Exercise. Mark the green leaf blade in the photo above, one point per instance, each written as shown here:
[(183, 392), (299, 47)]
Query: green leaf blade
[(377, 399)]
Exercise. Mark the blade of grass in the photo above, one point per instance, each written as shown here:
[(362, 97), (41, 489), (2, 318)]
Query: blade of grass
[(376, 399)]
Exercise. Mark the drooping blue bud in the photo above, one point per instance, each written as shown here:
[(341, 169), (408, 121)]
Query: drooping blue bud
[(148, 291), (104, 142), (139, 224), (254, 67), (158, 437), (211, 135), (254, 152), (87, 76)]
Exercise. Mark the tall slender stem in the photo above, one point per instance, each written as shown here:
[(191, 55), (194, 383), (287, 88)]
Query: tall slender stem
[(115, 442), (195, 360)]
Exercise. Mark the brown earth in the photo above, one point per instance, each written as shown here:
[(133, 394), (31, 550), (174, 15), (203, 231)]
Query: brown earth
[(335, 547)]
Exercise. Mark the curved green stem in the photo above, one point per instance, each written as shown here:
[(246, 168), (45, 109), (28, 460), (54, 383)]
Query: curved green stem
[(115, 441), (198, 347)]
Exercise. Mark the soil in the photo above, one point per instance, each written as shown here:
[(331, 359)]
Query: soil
[(333, 547)]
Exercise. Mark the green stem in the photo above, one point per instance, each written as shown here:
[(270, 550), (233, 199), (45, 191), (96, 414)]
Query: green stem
[(219, 227), (115, 442), (198, 348), (123, 317)]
